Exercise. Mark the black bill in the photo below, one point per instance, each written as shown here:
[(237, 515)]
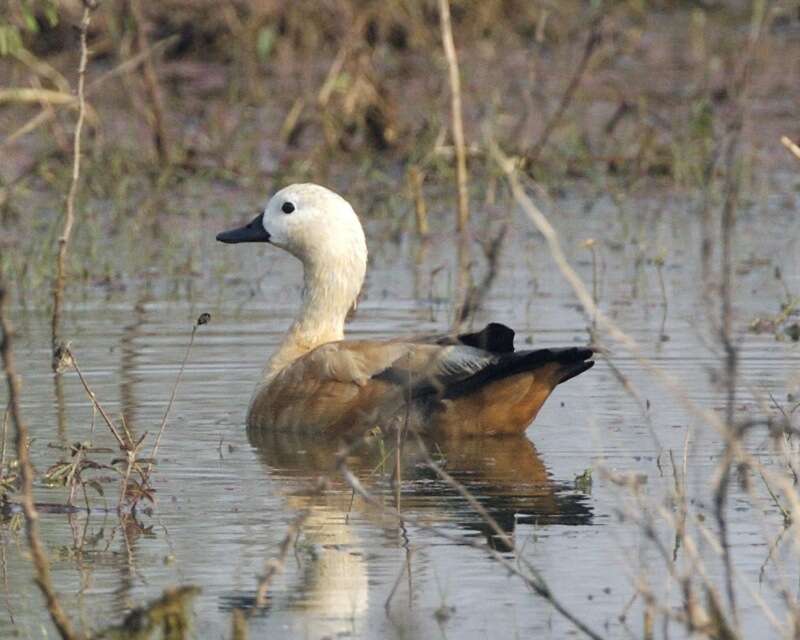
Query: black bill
[(253, 231)]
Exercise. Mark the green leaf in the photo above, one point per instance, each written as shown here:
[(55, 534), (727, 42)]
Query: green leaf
[(30, 20), (51, 13), (265, 43)]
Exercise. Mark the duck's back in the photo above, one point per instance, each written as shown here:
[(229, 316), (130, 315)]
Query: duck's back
[(468, 385)]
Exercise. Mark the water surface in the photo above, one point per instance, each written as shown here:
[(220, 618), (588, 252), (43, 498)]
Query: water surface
[(225, 500)]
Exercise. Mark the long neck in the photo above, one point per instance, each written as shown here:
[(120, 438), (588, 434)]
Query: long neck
[(330, 290)]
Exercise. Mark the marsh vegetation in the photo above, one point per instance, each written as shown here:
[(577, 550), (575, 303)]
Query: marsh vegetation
[(621, 173)]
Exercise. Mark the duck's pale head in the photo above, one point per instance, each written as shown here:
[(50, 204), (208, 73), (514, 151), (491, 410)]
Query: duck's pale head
[(320, 228), (309, 221)]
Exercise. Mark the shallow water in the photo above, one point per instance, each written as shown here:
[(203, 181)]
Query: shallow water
[(224, 501)]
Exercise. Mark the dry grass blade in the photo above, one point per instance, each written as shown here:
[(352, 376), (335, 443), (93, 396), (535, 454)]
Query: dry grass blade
[(36, 96), (3, 443), (415, 179), (38, 553), (464, 285), (584, 295), (124, 67), (456, 116), (787, 142), (42, 69)]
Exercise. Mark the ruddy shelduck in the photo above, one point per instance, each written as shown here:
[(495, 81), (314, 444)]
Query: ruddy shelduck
[(473, 384)]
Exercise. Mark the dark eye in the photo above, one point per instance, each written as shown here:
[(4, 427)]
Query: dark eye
[(287, 207)]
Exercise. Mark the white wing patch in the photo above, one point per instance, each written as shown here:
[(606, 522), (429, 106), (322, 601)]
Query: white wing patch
[(462, 361)]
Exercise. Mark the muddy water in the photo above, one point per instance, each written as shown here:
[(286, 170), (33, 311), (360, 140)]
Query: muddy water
[(224, 501)]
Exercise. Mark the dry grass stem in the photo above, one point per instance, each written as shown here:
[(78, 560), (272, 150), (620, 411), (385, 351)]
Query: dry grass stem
[(238, 625), (462, 177), (69, 214), (3, 443), (406, 568), (475, 294), (464, 274), (727, 231), (66, 356), (201, 320), (791, 146), (124, 67), (584, 296), (415, 181), (36, 96), (152, 87), (735, 453)]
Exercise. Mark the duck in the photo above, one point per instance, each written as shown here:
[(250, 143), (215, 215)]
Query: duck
[(463, 385)]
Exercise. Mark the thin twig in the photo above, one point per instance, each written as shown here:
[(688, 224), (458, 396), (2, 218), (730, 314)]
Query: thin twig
[(201, 320), (95, 403), (591, 43), (69, 215), (38, 552), (475, 294), (160, 136)]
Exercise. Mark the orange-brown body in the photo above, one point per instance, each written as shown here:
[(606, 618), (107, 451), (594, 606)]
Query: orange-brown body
[(336, 390)]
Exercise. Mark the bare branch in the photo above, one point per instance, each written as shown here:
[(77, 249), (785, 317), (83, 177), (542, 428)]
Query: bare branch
[(38, 552), (69, 215)]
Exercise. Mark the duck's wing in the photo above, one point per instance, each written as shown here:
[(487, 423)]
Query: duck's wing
[(329, 387), (360, 362), (456, 370), (442, 367), (335, 383)]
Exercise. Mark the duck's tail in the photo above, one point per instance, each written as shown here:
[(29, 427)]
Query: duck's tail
[(570, 361)]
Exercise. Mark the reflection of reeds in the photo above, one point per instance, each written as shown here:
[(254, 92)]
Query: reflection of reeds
[(519, 567)]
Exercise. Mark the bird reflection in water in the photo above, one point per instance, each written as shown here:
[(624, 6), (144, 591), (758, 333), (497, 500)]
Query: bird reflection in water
[(506, 475)]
